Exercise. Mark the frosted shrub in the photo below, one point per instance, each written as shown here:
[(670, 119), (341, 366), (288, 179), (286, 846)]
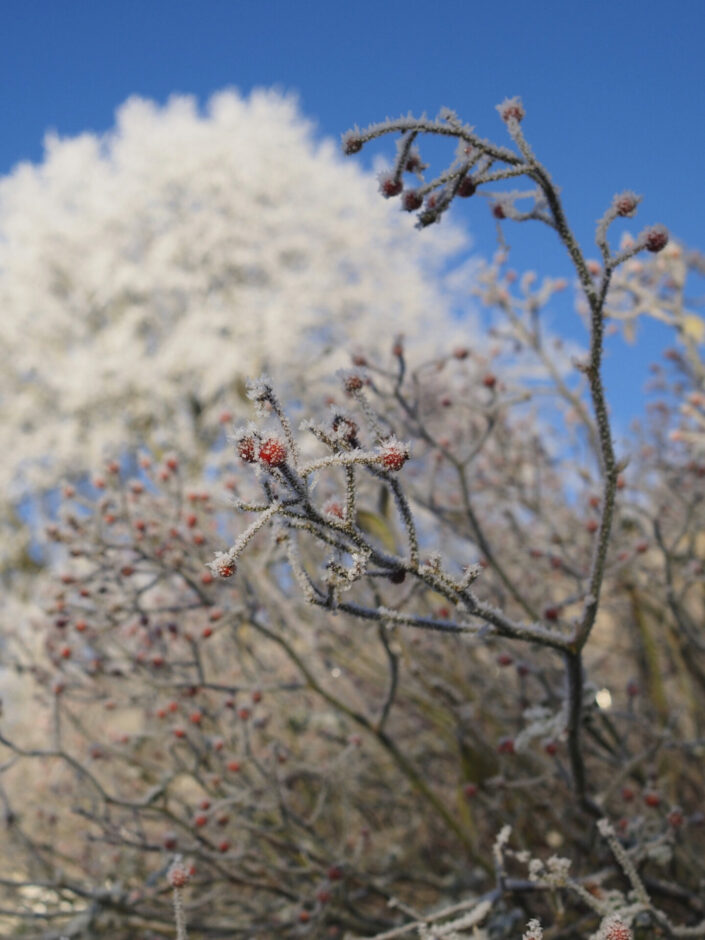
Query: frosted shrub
[(392, 669)]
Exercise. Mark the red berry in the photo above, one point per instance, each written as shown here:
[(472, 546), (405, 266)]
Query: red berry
[(489, 381), (504, 659), (656, 238), (394, 455), (334, 873), (550, 747), (625, 204), (243, 713), (551, 613), (206, 632), (246, 449), (179, 733), (506, 746), (304, 917), (233, 766), (223, 846), (323, 896), (412, 200), (225, 567), (200, 820), (352, 383), (389, 186), (652, 798), (470, 790), (467, 188), (195, 718), (615, 929), (256, 696), (351, 144), (272, 453), (205, 804), (498, 211), (675, 818), (170, 841), (178, 876), (511, 110)]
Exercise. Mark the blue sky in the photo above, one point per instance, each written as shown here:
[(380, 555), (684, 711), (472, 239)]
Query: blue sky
[(612, 88)]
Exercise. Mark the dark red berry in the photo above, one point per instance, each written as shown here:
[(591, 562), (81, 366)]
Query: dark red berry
[(466, 188), (412, 200)]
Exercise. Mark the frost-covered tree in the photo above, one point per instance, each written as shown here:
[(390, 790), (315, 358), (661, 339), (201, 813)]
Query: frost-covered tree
[(146, 271)]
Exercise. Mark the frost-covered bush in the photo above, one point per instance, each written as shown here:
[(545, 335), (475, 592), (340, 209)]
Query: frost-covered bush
[(391, 668)]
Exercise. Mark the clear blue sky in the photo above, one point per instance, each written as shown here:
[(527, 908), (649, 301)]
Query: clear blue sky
[(613, 89)]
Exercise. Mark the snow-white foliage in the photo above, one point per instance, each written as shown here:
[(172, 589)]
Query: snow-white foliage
[(145, 272)]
